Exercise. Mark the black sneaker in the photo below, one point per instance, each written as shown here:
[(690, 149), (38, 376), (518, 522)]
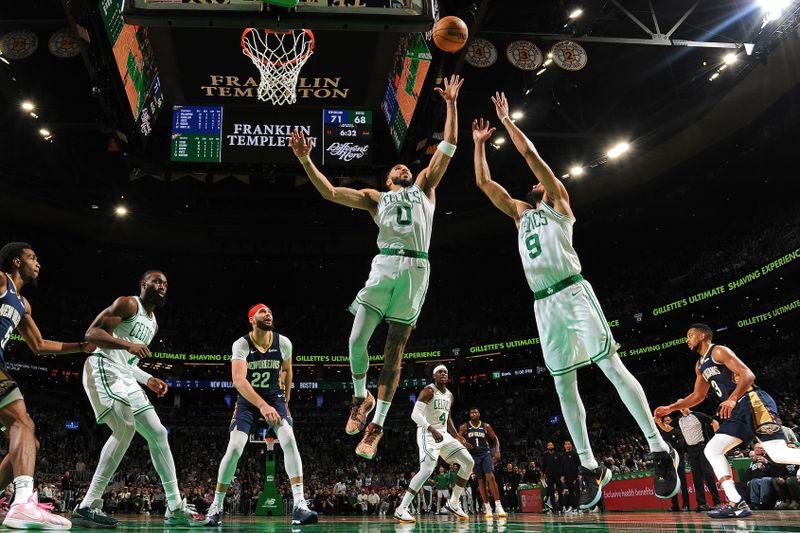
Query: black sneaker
[(214, 515), (92, 518), (701, 509), (303, 515), (595, 481), (729, 510), (666, 482)]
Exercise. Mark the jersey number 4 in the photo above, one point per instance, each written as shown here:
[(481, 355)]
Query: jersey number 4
[(534, 247), (260, 380), (443, 418)]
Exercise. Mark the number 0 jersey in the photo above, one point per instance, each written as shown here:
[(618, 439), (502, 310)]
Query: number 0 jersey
[(263, 368), (438, 409), (405, 219), (545, 247)]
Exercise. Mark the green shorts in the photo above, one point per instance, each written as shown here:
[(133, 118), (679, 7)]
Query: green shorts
[(395, 289)]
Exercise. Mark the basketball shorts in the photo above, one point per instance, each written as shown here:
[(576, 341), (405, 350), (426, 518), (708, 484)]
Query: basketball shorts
[(105, 382), (572, 329), (395, 288), (246, 415), (9, 390), (429, 449), (755, 415), (483, 464)]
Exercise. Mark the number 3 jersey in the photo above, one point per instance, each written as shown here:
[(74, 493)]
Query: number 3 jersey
[(545, 247), (263, 368), (405, 219)]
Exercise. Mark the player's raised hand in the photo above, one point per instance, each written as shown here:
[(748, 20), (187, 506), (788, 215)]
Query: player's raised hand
[(157, 386), (481, 132), (437, 437), (451, 88), (270, 414), (300, 145), (660, 411), (139, 350), (500, 105)]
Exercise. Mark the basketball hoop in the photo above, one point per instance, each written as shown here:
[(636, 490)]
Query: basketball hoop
[(270, 442), (278, 56)]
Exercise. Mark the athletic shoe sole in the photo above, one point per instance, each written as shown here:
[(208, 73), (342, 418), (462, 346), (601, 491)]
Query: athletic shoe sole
[(13, 523), (675, 461), (77, 521), (455, 513), (603, 482), (404, 521)]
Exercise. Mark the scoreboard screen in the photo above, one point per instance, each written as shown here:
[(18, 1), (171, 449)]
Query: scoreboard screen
[(209, 134)]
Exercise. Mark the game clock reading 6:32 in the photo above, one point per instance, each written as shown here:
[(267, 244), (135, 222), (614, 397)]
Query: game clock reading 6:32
[(347, 136)]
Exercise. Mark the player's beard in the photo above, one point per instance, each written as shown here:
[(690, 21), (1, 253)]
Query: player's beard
[(151, 296), (263, 325), (403, 182), (535, 197)]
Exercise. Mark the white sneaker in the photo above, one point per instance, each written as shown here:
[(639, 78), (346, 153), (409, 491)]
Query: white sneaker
[(34, 515), (184, 515), (487, 512), (501, 513), (455, 508), (404, 516)]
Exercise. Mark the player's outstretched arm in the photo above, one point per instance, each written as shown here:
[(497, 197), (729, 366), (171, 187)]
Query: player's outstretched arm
[(556, 192), (38, 345), (481, 132), (429, 178), (366, 199), (696, 397), (99, 332)]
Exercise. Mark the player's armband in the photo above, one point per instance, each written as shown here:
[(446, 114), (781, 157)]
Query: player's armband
[(446, 148)]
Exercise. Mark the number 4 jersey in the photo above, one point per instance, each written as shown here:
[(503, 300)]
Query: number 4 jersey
[(545, 247), (263, 367)]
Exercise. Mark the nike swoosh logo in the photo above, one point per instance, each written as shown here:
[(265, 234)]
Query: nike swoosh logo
[(576, 293)]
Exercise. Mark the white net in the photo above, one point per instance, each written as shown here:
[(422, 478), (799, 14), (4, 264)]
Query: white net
[(270, 442), (278, 56)]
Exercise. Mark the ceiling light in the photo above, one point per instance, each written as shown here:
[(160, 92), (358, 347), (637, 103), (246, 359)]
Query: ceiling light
[(541, 72), (121, 211), (576, 170), (773, 9), (547, 62), (576, 13), (500, 140), (618, 150), (714, 76), (516, 115), (44, 132), (730, 59), (721, 68), (27, 105)]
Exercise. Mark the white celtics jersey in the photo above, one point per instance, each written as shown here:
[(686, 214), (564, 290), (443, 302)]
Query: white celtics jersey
[(140, 329), (405, 219), (545, 247), (438, 409)]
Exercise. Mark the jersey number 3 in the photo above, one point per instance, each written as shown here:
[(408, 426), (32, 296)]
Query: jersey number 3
[(260, 380), (534, 247)]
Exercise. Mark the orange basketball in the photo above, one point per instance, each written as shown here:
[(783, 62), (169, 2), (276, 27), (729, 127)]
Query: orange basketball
[(450, 34)]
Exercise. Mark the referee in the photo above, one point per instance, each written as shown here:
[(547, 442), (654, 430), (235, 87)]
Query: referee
[(697, 429)]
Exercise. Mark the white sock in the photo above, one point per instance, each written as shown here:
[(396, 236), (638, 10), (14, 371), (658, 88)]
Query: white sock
[(407, 497), (487, 507), (149, 426), (23, 489), (457, 491), (497, 504), (360, 387), (730, 491), (299, 495), (291, 455), (219, 499), (632, 395), (381, 410)]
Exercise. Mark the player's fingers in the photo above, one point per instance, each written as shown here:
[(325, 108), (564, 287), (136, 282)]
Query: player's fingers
[(491, 130)]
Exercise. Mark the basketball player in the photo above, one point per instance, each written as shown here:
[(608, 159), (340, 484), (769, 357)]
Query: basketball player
[(477, 435), (398, 279), (20, 267), (574, 333), (437, 437), (259, 359), (111, 378), (746, 412)]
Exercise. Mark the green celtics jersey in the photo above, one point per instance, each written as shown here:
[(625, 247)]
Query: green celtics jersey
[(545, 247), (405, 219), (139, 329), (438, 409)]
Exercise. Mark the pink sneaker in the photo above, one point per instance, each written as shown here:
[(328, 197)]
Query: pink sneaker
[(33, 515)]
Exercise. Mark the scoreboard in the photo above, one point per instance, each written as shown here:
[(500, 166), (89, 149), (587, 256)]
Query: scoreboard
[(211, 134)]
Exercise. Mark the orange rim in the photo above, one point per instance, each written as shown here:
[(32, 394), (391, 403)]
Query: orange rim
[(278, 63)]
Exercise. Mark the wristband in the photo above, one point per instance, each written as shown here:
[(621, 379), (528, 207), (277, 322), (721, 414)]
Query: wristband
[(506, 117), (446, 148)]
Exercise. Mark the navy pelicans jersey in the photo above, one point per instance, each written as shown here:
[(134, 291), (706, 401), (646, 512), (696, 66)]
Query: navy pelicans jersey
[(12, 308), (263, 368), (477, 437), (722, 380)]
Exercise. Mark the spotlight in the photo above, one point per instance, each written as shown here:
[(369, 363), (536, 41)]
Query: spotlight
[(773, 9), (547, 62), (577, 170), (27, 105), (500, 140), (541, 72), (121, 211), (714, 76), (730, 59), (618, 150), (575, 13), (44, 132), (516, 115)]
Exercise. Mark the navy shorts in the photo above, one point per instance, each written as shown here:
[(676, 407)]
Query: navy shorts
[(246, 415), (755, 415), (483, 464)]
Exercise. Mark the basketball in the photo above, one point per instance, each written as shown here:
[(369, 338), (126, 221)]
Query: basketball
[(450, 34)]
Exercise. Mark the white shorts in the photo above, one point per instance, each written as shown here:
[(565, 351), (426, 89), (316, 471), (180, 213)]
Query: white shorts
[(395, 289), (106, 383), (572, 329), (430, 449)]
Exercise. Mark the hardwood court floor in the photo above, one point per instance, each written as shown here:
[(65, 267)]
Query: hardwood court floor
[(762, 522)]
